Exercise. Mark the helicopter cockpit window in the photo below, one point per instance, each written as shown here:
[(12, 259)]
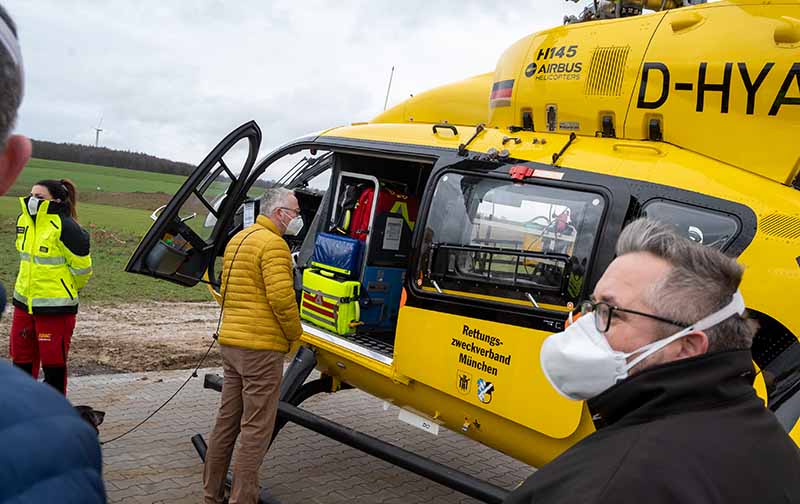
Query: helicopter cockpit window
[(707, 227), (508, 242), (201, 209), (211, 218)]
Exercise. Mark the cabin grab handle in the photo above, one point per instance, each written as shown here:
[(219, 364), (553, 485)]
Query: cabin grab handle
[(445, 126)]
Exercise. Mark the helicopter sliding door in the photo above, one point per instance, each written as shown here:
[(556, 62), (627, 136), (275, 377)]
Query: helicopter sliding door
[(500, 264)]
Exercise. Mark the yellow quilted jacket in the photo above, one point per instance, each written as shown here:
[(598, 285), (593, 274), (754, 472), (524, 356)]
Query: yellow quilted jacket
[(259, 310)]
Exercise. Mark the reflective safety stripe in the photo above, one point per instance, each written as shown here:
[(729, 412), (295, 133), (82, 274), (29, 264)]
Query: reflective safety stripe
[(42, 302), (49, 260), (326, 321), (42, 260), (316, 293), (82, 271)]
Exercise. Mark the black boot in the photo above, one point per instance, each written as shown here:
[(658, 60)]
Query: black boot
[(56, 376)]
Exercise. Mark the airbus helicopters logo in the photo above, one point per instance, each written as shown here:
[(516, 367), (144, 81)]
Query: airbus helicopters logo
[(750, 79), (555, 63)]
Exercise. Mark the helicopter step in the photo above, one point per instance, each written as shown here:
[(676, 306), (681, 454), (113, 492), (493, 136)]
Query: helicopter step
[(382, 343), (293, 390)]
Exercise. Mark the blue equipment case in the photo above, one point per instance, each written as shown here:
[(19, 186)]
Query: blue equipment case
[(380, 297), (340, 254)]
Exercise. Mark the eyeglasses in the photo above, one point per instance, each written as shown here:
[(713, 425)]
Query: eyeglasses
[(604, 312), (296, 211)]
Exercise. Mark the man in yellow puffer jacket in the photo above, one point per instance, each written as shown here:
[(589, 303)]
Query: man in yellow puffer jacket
[(259, 321)]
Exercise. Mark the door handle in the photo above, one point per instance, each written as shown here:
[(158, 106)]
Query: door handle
[(154, 215)]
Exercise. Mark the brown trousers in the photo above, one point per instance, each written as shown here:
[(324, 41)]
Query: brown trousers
[(249, 404)]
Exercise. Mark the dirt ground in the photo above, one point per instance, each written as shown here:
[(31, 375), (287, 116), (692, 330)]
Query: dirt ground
[(141, 200), (117, 338)]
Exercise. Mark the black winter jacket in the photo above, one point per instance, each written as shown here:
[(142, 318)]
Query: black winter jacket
[(691, 431)]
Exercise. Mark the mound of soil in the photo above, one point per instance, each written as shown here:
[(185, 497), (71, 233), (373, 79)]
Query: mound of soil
[(141, 200), (119, 338)]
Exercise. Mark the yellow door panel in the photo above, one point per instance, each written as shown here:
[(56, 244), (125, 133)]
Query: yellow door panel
[(491, 365)]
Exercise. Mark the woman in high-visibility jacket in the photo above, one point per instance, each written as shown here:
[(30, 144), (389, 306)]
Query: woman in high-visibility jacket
[(54, 266)]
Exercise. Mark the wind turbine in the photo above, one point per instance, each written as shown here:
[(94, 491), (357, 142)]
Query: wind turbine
[(97, 132)]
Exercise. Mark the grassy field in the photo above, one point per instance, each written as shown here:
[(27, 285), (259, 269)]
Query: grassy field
[(89, 177), (116, 227)]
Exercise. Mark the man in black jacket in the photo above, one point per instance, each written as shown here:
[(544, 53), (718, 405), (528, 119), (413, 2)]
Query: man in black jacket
[(662, 355)]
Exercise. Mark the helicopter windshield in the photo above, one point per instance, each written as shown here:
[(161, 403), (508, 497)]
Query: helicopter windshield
[(508, 240)]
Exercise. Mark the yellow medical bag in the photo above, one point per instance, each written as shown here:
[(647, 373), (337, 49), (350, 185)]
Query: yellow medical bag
[(329, 302)]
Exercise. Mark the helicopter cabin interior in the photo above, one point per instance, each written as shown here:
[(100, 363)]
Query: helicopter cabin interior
[(355, 254)]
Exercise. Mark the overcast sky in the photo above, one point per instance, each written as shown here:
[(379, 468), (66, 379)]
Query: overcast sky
[(172, 78)]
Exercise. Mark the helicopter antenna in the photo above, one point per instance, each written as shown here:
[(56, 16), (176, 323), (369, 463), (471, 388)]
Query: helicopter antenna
[(386, 102), (97, 131)]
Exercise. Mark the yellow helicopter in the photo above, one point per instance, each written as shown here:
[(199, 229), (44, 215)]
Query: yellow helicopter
[(480, 213)]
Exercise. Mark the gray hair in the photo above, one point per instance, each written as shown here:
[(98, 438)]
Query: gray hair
[(10, 83), (702, 280), (274, 198)]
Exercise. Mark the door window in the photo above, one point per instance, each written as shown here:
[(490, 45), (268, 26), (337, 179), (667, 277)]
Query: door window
[(201, 210), (508, 241), (701, 225)]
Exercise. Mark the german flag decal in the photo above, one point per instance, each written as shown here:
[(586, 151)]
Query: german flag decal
[(501, 94)]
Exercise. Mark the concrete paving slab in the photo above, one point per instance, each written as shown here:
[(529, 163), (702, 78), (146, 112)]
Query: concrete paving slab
[(157, 462)]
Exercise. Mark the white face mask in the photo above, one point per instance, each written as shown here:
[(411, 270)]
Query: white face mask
[(33, 205), (294, 226), (580, 364)]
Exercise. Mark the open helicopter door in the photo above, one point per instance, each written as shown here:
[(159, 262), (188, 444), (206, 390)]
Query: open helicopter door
[(184, 241)]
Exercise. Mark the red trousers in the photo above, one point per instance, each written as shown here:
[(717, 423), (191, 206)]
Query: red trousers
[(45, 339)]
